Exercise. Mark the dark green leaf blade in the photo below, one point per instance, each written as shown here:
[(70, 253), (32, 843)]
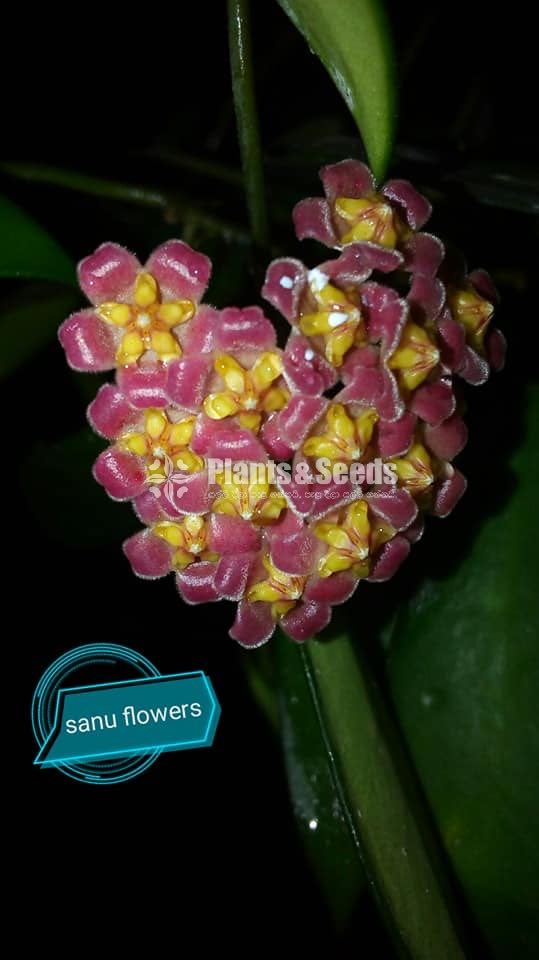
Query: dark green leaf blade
[(384, 812), (352, 39), (319, 813), (27, 250), (464, 668)]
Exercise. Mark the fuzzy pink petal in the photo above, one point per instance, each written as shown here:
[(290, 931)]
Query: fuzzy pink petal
[(448, 491), (186, 494), (374, 388), (414, 532), (448, 438), (364, 385), (357, 261), (232, 535), (423, 253), (306, 620), (196, 583), (247, 329), (110, 413), (306, 371), (495, 349), (386, 325), (375, 296), (108, 274), (395, 437), (390, 406), (333, 496), (348, 178), (225, 438), (299, 417), (271, 436), (414, 207), (474, 369), (484, 285), (287, 524), (232, 575), (312, 220), (299, 496), (122, 474), (426, 298), (284, 285), (144, 386), (198, 335), (433, 402), (186, 380), (253, 625), (389, 559), (89, 343), (147, 506), (452, 340), (295, 553), (149, 556), (394, 505), (335, 589), (359, 357), (181, 272)]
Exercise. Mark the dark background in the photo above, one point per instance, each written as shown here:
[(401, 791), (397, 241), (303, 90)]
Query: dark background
[(205, 840)]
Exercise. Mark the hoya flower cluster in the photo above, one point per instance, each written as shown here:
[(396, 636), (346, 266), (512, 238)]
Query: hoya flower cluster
[(204, 404)]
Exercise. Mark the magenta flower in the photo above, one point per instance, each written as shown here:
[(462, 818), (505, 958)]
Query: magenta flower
[(279, 479), (354, 211)]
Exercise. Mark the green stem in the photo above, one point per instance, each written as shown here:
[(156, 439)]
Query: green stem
[(205, 168), (241, 63), (384, 810), (175, 208)]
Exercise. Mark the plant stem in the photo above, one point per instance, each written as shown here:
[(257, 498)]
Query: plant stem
[(374, 783), (241, 63), (175, 208)]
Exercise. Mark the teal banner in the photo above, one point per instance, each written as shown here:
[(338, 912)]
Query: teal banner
[(131, 717)]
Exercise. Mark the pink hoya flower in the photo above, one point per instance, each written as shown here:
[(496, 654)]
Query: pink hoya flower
[(280, 478)]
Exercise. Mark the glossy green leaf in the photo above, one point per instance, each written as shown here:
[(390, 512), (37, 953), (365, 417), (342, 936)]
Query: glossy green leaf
[(464, 668), (383, 811), (27, 250), (29, 319), (352, 39), (318, 808)]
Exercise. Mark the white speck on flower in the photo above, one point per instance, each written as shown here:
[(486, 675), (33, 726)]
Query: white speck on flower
[(337, 319), (286, 282), (317, 279), (309, 354), (143, 320)]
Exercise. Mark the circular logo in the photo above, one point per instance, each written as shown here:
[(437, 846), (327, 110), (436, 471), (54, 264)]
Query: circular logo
[(44, 707)]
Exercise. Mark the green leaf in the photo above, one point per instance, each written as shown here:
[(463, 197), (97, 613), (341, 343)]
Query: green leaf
[(352, 39), (27, 250), (29, 319), (319, 812), (464, 668), (65, 500), (383, 810)]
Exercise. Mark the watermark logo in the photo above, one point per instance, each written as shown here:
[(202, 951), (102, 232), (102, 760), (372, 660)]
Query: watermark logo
[(105, 733), (164, 482), (323, 472)]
